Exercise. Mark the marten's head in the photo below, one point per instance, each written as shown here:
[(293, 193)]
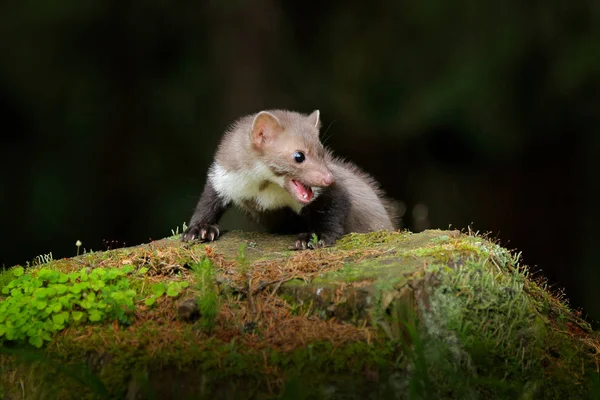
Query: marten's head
[(288, 143)]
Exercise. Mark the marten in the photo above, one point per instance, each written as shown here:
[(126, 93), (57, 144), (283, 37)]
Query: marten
[(274, 167)]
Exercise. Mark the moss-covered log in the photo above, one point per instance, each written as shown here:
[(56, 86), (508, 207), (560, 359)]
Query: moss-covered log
[(434, 315)]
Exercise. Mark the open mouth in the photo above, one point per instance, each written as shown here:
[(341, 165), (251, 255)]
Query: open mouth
[(303, 193)]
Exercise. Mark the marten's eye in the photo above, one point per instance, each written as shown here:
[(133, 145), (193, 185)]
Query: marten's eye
[(299, 157)]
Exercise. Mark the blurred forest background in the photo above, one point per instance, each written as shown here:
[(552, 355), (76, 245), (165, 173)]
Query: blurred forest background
[(481, 114)]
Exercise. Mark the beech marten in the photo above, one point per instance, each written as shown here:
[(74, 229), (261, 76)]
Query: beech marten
[(273, 166)]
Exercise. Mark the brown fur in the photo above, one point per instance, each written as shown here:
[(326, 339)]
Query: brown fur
[(240, 146), (369, 208)]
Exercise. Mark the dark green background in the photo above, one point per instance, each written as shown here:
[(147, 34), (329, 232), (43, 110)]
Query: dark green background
[(484, 112)]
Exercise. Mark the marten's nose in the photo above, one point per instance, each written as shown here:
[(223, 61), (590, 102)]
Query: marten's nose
[(328, 179)]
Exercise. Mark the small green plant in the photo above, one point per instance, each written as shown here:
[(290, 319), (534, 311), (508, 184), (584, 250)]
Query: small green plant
[(314, 240), (208, 300), (46, 301), (5, 277), (241, 255), (172, 289), (175, 232), (241, 259)]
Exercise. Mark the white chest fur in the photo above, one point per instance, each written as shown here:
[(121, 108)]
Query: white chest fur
[(249, 185)]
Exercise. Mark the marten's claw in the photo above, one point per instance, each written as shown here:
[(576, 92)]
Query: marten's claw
[(205, 232)]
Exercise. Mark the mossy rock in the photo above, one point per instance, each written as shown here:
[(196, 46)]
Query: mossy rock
[(434, 315)]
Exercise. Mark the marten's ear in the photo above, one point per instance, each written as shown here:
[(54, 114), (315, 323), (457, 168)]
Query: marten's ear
[(265, 127), (315, 119)]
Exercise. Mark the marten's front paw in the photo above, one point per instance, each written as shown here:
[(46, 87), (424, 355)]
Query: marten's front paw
[(201, 231), (309, 241)]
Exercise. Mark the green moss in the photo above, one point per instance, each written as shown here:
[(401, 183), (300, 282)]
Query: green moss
[(222, 366), (369, 240), (349, 273), (483, 336), (295, 282), (5, 277), (440, 254), (460, 319), (388, 268)]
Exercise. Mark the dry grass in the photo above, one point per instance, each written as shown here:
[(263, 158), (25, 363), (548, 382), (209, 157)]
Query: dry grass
[(253, 303)]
